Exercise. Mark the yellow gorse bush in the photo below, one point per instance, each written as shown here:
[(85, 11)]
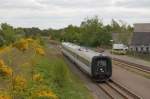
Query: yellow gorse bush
[(40, 51), (37, 77), (22, 45), (4, 69), (19, 82), (1, 63), (4, 95), (5, 49), (47, 93), (30, 40), (7, 71)]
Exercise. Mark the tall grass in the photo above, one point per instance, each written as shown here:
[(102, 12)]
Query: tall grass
[(42, 73), (57, 76)]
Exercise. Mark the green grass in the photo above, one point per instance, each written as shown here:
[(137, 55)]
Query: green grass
[(58, 78), (55, 74)]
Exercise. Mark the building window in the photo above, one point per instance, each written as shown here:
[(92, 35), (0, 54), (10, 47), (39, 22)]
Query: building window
[(141, 49), (147, 49), (136, 49)]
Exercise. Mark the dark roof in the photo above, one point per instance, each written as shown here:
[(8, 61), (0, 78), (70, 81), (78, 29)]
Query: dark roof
[(141, 38)]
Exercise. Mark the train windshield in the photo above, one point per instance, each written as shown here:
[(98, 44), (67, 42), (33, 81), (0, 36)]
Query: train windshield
[(102, 63)]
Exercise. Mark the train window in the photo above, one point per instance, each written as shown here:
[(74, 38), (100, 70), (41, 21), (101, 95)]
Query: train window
[(86, 62), (70, 51), (102, 63)]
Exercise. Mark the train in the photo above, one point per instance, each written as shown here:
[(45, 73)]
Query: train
[(97, 65)]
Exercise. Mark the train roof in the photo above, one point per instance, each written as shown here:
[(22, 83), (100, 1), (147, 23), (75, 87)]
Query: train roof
[(82, 51)]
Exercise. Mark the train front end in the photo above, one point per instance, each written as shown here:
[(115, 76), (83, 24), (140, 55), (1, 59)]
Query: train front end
[(101, 68)]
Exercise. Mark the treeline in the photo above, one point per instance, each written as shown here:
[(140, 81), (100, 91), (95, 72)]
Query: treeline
[(9, 34), (91, 32)]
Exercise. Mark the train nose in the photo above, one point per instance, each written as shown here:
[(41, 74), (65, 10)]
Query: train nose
[(102, 67)]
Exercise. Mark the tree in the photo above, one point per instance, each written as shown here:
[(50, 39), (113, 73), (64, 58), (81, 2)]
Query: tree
[(32, 32), (8, 33), (93, 32), (115, 26)]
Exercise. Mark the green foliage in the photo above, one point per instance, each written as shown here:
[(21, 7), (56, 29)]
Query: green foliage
[(2, 41), (8, 33), (123, 31), (91, 32), (58, 78), (32, 32)]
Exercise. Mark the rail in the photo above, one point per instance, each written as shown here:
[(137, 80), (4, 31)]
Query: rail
[(117, 91), (133, 65)]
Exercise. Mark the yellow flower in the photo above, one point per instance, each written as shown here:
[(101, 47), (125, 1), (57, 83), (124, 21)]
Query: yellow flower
[(5, 49), (40, 51), (20, 82), (47, 93), (1, 63), (5, 97), (22, 45), (4, 69), (37, 77), (7, 71), (30, 40)]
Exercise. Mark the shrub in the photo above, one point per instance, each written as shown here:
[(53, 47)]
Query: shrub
[(40, 51), (19, 83), (4, 95), (22, 45), (4, 69), (44, 94), (37, 77)]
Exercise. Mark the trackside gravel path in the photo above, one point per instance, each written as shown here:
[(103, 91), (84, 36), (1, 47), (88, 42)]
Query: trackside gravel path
[(134, 82)]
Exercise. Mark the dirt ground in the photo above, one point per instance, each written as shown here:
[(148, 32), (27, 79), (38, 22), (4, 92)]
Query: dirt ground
[(136, 83)]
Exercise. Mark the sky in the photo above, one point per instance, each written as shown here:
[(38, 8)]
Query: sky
[(60, 13)]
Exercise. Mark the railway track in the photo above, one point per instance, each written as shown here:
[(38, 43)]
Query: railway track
[(112, 89), (116, 91), (142, 68)]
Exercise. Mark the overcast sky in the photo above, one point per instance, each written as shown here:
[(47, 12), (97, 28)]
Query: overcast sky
[(60, 13)]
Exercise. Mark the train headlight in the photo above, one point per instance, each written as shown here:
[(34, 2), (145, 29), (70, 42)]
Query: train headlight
[(101, 66)]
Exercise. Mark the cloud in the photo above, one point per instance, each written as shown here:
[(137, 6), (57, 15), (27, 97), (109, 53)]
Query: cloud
[(76, 3), (60, 13), (19, 4), (134, 3)]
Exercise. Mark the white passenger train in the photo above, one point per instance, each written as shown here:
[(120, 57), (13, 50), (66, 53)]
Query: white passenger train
[(95, 64)]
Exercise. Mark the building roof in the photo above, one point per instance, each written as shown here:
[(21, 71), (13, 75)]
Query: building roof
[(141, 38), (142, 27)]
